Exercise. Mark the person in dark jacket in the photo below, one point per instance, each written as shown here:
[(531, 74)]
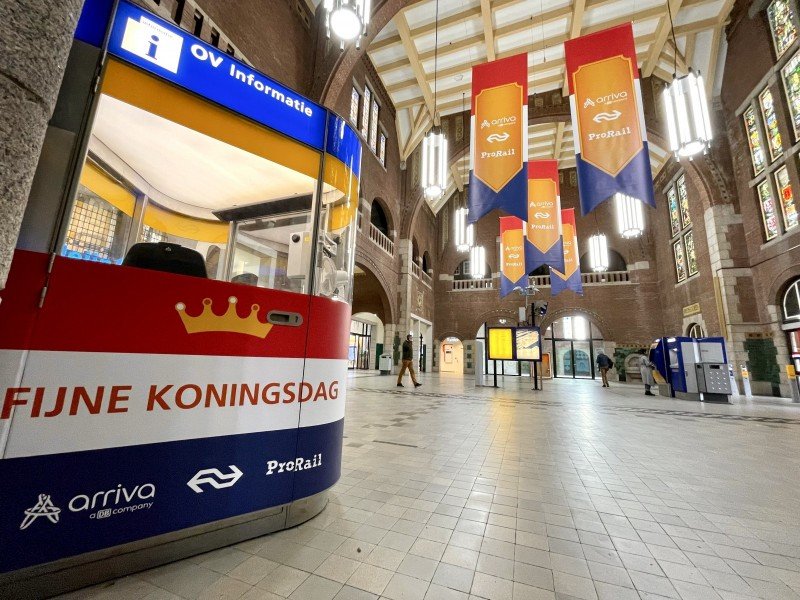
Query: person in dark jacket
[(604, 364), (408, 361)]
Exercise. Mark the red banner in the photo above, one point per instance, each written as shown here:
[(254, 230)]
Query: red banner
[(499, 144)]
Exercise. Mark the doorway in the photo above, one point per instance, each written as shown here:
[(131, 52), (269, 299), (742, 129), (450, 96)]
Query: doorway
[(574, 341), (452, 356), (358, 351)]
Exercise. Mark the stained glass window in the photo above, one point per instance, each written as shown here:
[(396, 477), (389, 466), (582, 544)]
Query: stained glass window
[(355, 101), (791, 84), (754, 139), (365, 112), (691, 257), (781, 22), (674, 214), (771, 124), (769, 213), (786, 197), (683, 202), (373, 128), (680, 260), (382, 148)]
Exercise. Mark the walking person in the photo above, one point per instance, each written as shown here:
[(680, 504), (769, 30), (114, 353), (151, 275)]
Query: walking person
[(408, 362), (646, 370), (604, 364)]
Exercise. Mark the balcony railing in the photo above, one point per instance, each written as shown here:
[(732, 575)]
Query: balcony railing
[(607, 278), (381, 240), (462, 285)]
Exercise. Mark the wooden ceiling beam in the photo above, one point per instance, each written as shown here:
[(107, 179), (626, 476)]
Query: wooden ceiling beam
[(411, 52), (488, 28), (662, 33)]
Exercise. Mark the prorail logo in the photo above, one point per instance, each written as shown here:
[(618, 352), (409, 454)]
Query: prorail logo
[(51, 402)]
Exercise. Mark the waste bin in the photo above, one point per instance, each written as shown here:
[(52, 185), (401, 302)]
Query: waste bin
[(385, 364)]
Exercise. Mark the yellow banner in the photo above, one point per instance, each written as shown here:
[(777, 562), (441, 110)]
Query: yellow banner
[(543, 214), (512, 264), (498, 139), (608, 113)]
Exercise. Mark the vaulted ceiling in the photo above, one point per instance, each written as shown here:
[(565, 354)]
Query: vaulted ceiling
[(472, 32)]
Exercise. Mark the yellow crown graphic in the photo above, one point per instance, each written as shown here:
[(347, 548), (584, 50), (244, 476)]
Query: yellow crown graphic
[(230, 321)]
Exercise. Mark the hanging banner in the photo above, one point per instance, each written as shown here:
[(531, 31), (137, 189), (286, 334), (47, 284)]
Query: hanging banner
[(606, 104), (499, 137), (544, 245), (570, 278), (512, 255)]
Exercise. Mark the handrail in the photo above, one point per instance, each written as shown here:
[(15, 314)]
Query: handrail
[(606, 278), (381, 240), (461, 285)]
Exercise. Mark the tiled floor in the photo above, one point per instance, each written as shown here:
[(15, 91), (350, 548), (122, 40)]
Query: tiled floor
[(456, 493)]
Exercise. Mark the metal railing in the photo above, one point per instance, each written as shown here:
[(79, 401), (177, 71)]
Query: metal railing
[(381, 240), (462, 285)]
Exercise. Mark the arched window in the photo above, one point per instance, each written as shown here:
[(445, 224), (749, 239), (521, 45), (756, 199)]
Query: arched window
[(463, 271), (426, 261), (378, 218), (791, 302), (695, 330), (615, 262), (414, 250)]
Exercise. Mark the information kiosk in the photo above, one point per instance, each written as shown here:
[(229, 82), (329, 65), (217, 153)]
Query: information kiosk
[(692, 368), (148, 415)]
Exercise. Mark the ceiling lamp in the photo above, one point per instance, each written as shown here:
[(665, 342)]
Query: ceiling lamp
[(347, 19), (598, 252), (477, 262), (686, 107), (630, 216), (464, 234), (434, 146)]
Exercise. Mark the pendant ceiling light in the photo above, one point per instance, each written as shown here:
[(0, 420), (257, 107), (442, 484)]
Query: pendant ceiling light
[(686, 107), (630, 216), (477, 262), (464, 234), (347, 19), (434, 146), (598, 252)]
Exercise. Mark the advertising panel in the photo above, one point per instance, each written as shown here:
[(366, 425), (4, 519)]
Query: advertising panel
[(512, 255), (499, 137), (544, 245), (570, 278), (165, 50), (528, 343), (606, 105)]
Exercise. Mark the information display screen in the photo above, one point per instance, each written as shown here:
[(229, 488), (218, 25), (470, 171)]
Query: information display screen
[(501, 343), (528, 343), (514, 343)]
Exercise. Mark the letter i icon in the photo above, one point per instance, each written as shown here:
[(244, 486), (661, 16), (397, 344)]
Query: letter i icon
[(152, 46)]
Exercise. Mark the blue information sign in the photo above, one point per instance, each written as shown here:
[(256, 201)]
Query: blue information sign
[(165, 50)]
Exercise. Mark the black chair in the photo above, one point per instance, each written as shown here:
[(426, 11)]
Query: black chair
[(170, 258), (246, 279)]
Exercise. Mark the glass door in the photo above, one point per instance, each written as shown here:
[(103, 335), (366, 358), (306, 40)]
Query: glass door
[(582, 359), (563, 354)]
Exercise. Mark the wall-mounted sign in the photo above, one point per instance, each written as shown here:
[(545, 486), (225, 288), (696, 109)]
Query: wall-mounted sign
[(157, 46), (499, 137), (606, 104), (500, 343), (692, 309)]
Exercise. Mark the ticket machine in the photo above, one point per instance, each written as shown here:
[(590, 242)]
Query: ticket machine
[(692, 368)]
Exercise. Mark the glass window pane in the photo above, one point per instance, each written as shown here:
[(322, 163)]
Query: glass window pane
[(680, 260), (365, 112), (768, 212), (691, 257), (97, 230), (791, 302), (674, 213), (683, 201), (754, 140), (373, 128), (355, 98), (781, 23), (774, 141), (786, 197), (791, 85), (382, 149)]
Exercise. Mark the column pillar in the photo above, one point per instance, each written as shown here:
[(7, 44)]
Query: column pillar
[(35, 38)]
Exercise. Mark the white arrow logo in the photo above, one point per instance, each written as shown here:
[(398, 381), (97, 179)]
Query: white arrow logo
[(215, 478), (607, 116)]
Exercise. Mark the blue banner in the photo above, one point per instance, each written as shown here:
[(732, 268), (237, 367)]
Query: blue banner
[(597, 186), (558, 283), (167, 51), (511, 200), (535, 258)]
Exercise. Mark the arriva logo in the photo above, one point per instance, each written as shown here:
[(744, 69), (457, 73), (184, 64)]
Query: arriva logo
[(501, 122), (588, 103), (152, 42)]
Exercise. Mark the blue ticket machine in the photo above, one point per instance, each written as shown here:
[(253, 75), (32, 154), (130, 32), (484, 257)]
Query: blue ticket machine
[(692, 368)]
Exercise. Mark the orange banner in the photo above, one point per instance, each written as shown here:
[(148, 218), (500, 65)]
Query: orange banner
[(512, 253), (544, 205)]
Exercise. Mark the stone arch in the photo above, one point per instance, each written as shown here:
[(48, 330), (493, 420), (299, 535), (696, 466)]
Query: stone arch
[(373, 293), (780, 284)]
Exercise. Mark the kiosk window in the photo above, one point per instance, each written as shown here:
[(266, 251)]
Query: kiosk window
[(97, 230)]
